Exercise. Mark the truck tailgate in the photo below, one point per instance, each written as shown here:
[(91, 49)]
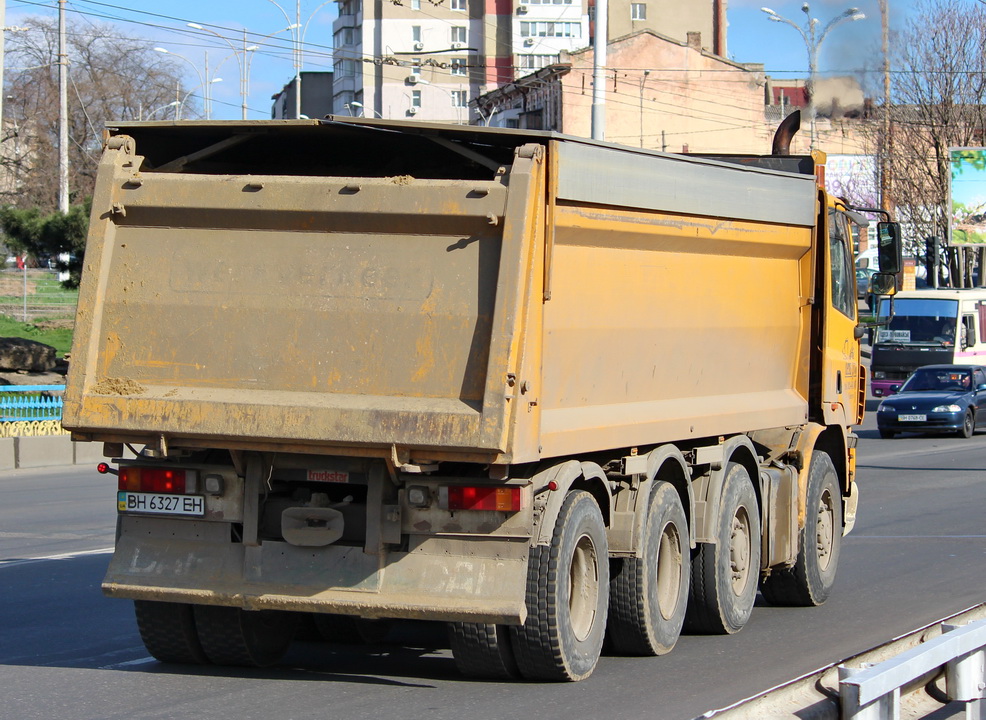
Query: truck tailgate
[(293, 309)]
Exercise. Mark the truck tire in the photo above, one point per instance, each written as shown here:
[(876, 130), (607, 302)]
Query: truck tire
[(168, 632), (811, 579), (231, 636), (725, 574), (567, 596), (483, 651), (648, 595), (351, 630)]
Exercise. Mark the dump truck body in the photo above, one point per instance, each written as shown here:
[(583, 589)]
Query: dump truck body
[(386, 363)]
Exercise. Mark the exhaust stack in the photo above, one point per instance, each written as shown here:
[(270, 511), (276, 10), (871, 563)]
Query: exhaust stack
[(785, 133)]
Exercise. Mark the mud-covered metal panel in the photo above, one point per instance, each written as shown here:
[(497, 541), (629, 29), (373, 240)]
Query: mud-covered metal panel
[(444, 579), (602, 175), (302, 309)]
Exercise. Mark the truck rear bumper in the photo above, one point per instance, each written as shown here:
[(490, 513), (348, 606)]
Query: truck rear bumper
[(475, 584)]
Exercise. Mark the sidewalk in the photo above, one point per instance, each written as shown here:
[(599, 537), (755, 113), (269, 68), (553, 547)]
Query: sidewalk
[(47, 451)]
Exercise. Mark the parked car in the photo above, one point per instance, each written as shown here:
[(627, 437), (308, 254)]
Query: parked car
[(935, 399), (863, 276)]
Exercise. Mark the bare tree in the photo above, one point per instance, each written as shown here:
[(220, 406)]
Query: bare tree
[(939, 101), (111, 77)]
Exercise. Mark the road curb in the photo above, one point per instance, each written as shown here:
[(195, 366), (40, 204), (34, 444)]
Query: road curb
[(18, 453)]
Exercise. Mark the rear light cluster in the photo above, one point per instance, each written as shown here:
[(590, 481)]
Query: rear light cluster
[(458, 497), (156, 480)]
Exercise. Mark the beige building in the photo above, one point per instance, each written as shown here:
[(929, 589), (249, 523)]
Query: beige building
[(668, 95), (661, 93), (430, 59)]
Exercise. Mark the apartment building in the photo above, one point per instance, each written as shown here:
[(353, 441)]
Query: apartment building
[(428, 59)]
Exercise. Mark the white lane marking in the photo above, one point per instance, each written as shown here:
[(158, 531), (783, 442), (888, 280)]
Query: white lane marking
[(128, 663), (60, 556)]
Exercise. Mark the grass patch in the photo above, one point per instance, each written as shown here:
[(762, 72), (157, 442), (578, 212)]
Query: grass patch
[(42, 288), (56, 335)]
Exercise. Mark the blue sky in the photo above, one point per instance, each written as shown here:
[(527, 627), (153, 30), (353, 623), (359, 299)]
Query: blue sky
[(751, 37)]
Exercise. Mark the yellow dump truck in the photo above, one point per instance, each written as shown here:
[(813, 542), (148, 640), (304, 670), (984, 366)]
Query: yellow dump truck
[(543, 388)]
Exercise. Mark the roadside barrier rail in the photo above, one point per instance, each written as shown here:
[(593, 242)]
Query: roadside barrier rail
[(873, 692)]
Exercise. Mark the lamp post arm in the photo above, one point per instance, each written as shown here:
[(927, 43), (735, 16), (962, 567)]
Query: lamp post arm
[(304, 31), (287, 18)]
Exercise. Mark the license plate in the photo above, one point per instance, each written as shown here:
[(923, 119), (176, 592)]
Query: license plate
[(160, 503), (912, 418)]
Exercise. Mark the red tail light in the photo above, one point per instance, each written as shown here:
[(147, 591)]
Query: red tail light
[(155, 480), (457, 497)]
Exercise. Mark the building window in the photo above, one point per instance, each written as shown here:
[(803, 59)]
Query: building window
[(416, 98), (460, 98), (344, 37), (350, 7), (344, 68), (551, 29), (458, 34), (638, 11), (416, 33), (459, 5), (459, 66), (415, 4), (536, 62)]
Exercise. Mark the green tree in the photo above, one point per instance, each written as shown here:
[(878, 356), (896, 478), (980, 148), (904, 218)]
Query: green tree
[(41, 235)]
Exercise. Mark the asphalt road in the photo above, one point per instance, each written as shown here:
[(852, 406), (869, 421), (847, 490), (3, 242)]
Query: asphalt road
[(918, 553)]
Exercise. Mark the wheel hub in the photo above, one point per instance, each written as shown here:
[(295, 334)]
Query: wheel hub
[(739, 551)]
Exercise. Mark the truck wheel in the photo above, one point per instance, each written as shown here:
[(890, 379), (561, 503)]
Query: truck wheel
[(231, 636), (648, 596), (725, 574), (483, 651), (168, 632), (567, 596), (810, 581), (351, 630)]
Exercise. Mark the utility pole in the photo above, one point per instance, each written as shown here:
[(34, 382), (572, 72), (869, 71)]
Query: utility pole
[(3, 24), (599, 71), (62, 112), (885, 179), (297, 62)]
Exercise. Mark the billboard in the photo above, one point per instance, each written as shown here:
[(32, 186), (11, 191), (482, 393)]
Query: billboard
[(967, 193), (853, 177)]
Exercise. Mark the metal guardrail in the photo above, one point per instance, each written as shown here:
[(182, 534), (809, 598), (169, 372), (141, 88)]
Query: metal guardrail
[(873, 692), (20, 403)]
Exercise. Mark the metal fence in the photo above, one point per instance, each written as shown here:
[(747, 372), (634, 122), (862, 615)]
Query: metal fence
[(29, 410), (30, 294)]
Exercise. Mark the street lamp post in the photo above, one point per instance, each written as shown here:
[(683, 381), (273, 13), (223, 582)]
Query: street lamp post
[(204, 80), (813, 40), (297, 42), (205, 97), (243, 63), (140, 116), (362, 109)]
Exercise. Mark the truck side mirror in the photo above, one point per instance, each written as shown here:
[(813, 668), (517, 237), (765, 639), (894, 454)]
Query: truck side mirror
[(883, 283), (889, 249)]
